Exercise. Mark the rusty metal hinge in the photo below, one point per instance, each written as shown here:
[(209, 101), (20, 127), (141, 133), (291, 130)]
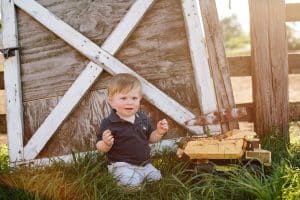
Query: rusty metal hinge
[(8, 52)]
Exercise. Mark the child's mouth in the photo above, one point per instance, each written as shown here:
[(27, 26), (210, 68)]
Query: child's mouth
[(128, 108)]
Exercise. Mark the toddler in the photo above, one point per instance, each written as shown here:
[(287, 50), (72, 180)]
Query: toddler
[(126, 133)]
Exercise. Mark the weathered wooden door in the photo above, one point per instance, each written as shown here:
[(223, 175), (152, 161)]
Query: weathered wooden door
[(56, 84)]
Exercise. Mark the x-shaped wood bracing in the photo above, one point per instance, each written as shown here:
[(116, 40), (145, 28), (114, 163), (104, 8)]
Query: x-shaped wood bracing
[(101, 58)]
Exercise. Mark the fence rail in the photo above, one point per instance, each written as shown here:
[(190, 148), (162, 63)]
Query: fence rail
[(292, 12), (293, 115), (241, 65)]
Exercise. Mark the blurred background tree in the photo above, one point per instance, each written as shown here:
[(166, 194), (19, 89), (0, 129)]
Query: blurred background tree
[(236, 41), (292, 39)]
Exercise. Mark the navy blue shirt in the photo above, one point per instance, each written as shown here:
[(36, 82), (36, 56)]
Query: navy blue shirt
[(131, 141)]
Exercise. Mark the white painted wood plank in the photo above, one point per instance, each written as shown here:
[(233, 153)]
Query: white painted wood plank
[(12, 79), (49, 161), (124, 29), (90, 74), (65, 106), (101, 57), (204, 81)]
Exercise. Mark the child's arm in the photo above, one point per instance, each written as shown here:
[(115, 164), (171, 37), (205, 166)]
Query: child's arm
[(106, 143), (159, 132)]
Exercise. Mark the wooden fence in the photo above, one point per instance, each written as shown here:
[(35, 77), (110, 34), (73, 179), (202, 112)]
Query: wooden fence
[(239, 66)]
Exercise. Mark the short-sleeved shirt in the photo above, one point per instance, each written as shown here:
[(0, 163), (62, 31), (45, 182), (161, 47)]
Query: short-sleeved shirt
[(131, 141)]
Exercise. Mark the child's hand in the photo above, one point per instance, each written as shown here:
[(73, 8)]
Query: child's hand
[(162, 127), (108, 138)]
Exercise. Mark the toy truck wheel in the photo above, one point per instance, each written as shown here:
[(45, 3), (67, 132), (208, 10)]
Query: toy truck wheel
[(205, 168), (254, 166)]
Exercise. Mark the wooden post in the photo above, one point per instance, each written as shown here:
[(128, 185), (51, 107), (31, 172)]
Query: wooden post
[(218, 62), (269, 65), (12, 78)]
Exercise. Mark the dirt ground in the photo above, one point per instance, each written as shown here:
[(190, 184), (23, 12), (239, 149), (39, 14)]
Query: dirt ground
[(242, 90)]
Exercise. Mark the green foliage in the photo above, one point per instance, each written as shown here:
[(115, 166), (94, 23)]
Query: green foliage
[(235, 40), (286, 164), (293, 41), (291, 181), (281, 149), (230, 27), (87, 178), (4, 159), (238, 42), (7, 193)]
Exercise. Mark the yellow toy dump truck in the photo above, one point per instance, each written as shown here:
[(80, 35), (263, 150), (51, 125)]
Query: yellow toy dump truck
[(235, 146)]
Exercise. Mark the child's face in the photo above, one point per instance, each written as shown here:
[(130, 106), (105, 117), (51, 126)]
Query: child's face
[(126, 104)]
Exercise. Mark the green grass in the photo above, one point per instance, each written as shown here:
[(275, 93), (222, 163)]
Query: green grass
[(4, 159), (87, 178)]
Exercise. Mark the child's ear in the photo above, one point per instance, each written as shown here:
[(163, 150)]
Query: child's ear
[(110, 102)]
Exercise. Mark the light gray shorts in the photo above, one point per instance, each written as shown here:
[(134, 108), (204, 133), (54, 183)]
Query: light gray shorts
[(133, 175)]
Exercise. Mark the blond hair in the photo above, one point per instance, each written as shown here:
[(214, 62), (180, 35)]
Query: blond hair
[(123, 83)]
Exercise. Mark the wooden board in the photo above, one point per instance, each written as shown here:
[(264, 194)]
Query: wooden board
[(218, 63), (241, 65), (13, 83), (203, 79), (292, 12), (270, 65), (78, 132)]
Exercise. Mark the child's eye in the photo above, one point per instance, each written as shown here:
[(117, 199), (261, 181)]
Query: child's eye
[(123, 98), (135, 98)]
